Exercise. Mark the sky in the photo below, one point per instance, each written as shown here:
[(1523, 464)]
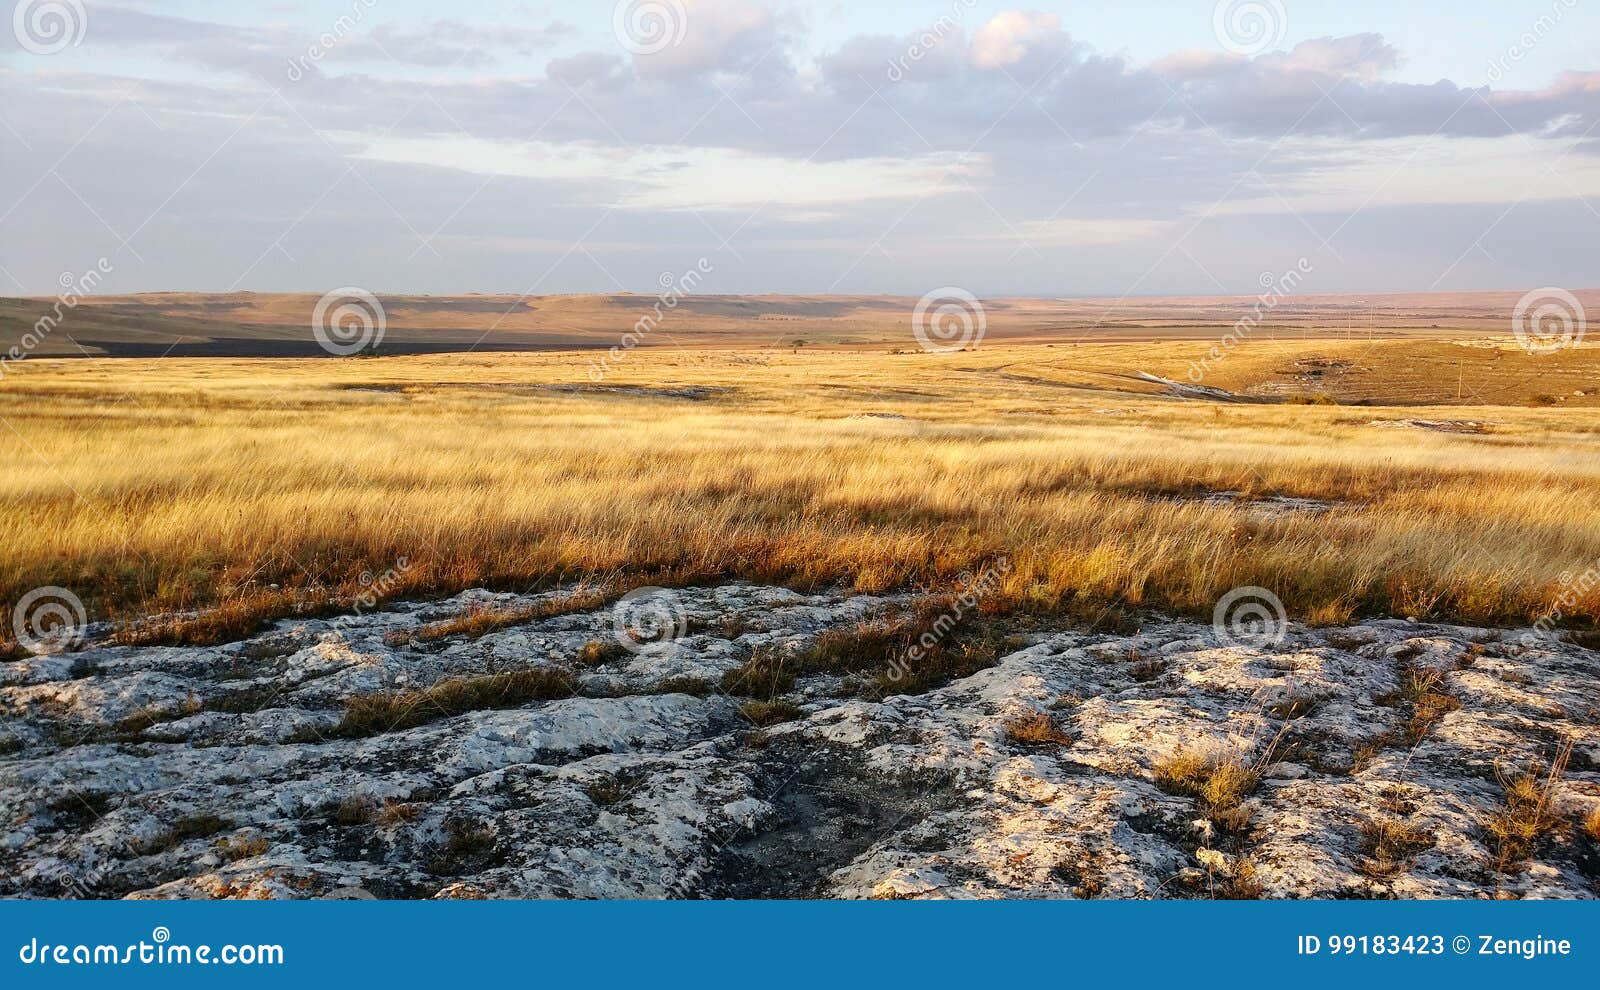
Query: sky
[(1046, 149)]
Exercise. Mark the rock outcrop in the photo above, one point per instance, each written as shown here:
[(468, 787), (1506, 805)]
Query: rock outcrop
[(1371, 756)]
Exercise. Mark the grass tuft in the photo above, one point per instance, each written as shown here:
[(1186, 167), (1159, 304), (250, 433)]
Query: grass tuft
[(376, 713), (1424, 699), (763, 713), (1035, 729), (1389, 844), (357, 810), (924, 647), (1218, 782), (1528, 812), (481, 620), (236, 847)]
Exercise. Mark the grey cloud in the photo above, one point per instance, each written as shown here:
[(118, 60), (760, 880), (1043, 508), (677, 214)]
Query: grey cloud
[(1066, 136)]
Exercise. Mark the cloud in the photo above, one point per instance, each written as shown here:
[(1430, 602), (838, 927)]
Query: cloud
[(1014, 36), (1008, 149), (704, 35)]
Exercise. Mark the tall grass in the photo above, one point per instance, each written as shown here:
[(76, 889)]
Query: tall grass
[(145, 486)]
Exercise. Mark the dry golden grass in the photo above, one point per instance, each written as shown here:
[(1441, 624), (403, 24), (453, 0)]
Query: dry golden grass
[(1389, 845), (1529, 812), (1219, 782), (155, 485), (372, 714), (1591, 825), (1424, 698), (764, 713), (477, 622), (1036, 728)]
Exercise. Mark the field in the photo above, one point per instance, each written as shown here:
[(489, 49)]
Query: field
[(732, 616), (1450, 478)]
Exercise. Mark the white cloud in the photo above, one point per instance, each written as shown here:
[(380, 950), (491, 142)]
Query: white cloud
[(1419, 172), (1012, 35), (687, 178), (705, 35)]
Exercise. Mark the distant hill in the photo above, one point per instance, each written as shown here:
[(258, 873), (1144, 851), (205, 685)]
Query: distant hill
[(244, 324)]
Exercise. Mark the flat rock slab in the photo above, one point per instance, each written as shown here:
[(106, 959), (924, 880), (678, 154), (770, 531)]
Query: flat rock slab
[(202, 772)]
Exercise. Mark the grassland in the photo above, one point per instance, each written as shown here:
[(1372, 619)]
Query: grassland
[(1451, 479)]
